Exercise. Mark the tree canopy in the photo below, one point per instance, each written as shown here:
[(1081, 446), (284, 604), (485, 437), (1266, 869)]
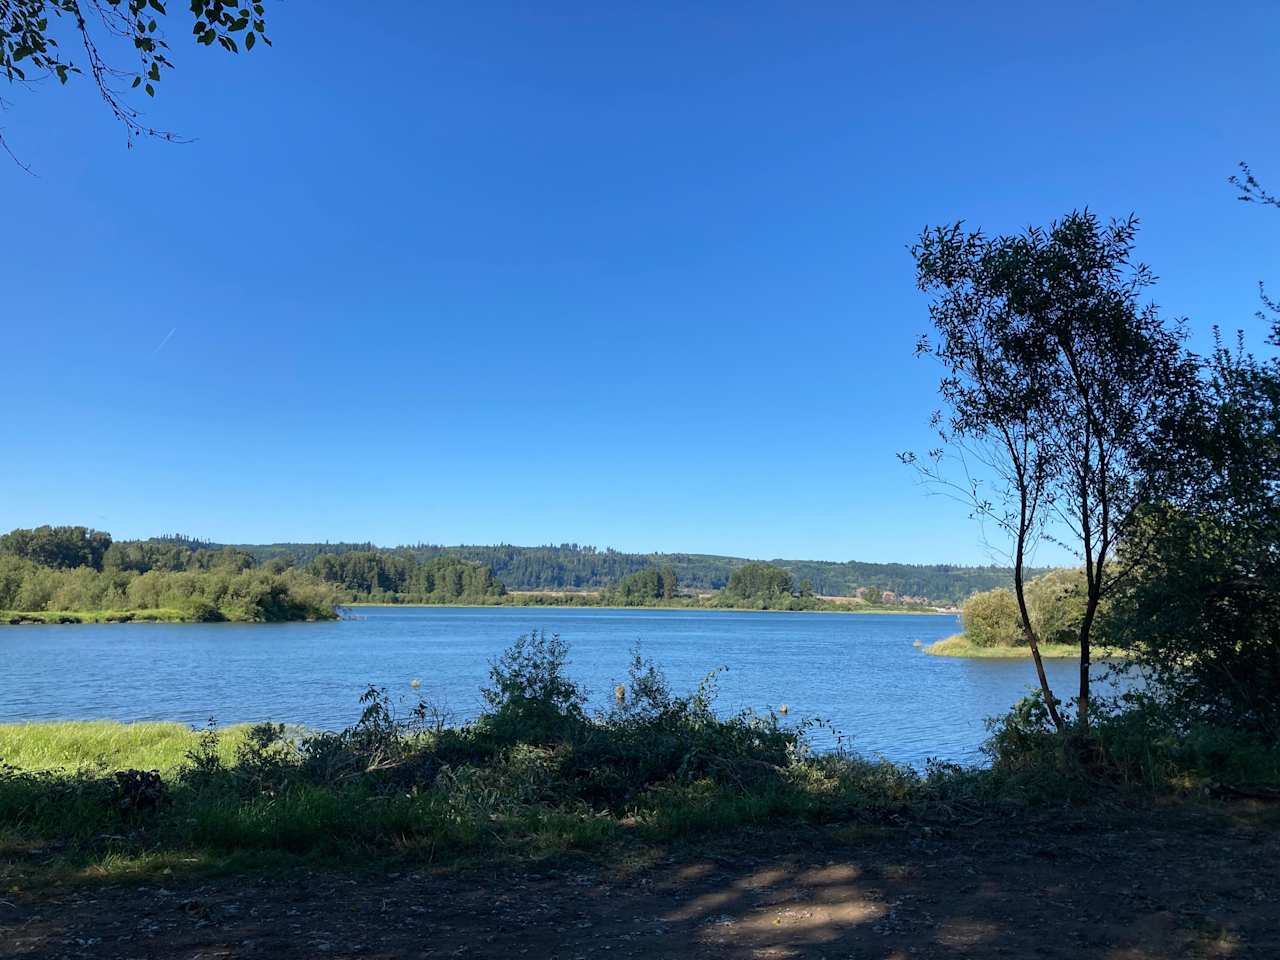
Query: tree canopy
[(58, 547), (1055, 602), (759, 581), (376, 574), (571, 566), (647, 586), (120, 45)]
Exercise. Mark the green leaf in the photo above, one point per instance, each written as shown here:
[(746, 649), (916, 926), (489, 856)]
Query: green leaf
[(248, 41)]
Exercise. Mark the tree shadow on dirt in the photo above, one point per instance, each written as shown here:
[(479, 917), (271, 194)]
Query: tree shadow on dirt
[(1128, 888), (1126, 891)]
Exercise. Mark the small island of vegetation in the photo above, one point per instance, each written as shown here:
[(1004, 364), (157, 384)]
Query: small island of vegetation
[(992, 623)]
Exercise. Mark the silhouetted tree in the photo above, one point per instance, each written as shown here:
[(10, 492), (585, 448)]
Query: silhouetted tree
[(1059, 384)]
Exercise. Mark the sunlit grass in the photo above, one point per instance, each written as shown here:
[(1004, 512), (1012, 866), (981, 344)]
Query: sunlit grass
[(959, 646), (105, 745)]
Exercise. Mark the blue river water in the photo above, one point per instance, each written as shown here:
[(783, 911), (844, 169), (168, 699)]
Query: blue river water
[(862, 672)]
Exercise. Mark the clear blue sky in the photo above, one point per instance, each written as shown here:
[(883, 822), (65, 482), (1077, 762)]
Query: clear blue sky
[(634, 276)]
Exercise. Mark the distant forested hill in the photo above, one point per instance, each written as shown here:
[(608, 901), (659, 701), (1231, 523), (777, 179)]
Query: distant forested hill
[(433, 573), (570, 566)]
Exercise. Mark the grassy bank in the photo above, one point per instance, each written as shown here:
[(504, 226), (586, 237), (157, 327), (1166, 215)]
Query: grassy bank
[(106, 745), (960, 645), (255, 798), (205, 615)]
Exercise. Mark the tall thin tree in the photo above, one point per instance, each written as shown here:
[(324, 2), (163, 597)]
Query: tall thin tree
[(1059, 382)]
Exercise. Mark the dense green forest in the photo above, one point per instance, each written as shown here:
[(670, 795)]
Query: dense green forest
[(571, 566), (374, 575), (652, 586), (53, 573)]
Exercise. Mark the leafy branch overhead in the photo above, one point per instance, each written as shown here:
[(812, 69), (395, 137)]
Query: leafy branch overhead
[(119, 44)]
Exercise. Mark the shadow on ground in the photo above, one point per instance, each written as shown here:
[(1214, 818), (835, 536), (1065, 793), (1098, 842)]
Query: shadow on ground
[(1132, 887)]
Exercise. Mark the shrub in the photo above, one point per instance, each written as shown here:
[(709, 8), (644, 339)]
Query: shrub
[(138, 792), (530, 698), (991, 619), (1056, 603), (1135, 743)]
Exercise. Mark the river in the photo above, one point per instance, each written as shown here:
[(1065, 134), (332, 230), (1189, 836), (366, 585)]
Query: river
[(864, 673)]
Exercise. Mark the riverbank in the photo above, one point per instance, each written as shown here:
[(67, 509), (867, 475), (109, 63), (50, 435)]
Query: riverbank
[(172, 615), (959, 646), (98, 801), (156, 615)]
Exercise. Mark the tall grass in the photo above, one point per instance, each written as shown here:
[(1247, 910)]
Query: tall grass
[(105, 745), (961, 646)]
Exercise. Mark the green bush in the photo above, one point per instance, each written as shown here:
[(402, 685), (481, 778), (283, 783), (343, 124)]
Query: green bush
[(1055, 604), (1134, 743), (529, 696), (991, 619)]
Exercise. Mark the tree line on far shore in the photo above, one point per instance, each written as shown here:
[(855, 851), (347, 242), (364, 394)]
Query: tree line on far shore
[(576, 567), (76, 568)]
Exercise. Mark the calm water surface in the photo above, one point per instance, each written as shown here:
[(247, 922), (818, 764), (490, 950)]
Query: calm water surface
[(862, 672)]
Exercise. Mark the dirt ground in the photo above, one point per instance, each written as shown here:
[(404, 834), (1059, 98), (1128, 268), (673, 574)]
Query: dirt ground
[(1173, 884)]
